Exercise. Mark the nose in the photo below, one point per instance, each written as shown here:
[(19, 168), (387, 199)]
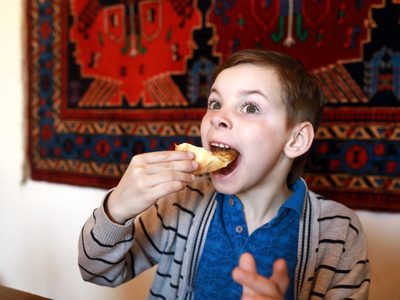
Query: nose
[(221, 120)]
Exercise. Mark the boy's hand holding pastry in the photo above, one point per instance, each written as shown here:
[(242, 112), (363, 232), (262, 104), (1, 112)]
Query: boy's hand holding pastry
[(152, 176), (149, 177)]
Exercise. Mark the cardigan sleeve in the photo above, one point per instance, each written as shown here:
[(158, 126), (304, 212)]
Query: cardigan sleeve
[(111, 254), (105, 250), (342, 270)]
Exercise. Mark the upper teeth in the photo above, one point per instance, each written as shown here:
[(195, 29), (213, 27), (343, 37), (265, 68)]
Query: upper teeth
[(220, 145)]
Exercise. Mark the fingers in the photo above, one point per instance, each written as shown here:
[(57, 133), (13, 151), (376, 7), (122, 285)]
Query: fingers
[(179, 166), (167, 188), (280, 275), (163, 156), (149, 177), (254, 283), (247, 263), (256, 286), (157, 178), (157, 162)]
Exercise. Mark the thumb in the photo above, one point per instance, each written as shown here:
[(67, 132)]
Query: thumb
[(247, 262), (280, 275)]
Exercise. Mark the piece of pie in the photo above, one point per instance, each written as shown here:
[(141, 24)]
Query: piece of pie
[(209, 161)]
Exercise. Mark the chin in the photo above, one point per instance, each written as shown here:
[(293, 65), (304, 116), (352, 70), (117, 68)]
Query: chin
[(224, 186)]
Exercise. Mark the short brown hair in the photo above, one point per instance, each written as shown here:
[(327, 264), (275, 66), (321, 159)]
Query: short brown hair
[(303, 97)]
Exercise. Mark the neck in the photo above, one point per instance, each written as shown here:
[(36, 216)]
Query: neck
[(261, 206)]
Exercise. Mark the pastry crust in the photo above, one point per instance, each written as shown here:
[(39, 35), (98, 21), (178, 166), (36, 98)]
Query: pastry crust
[(209, 161)]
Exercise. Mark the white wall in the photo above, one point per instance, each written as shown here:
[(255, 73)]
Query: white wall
[(40, 222)]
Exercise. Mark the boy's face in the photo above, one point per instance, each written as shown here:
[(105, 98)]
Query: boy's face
[(246, 112)]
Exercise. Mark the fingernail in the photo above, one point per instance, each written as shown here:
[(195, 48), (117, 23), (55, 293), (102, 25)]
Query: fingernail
[(195, 164)]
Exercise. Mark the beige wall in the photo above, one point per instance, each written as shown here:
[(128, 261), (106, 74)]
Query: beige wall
[(40, 222)]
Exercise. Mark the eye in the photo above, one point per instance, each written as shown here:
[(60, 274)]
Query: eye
[(250, 108), (214, 105)]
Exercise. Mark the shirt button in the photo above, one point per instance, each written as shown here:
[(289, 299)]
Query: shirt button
[(239, 229), (231, 201)]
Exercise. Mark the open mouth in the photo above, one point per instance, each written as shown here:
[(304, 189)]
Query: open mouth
[(230, 167)]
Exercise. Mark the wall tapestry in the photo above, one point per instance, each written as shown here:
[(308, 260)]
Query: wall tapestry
[(112, 79)]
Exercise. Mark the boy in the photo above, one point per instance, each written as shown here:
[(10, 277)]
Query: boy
[(254, 231)]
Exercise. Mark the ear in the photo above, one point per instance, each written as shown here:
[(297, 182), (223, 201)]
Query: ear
[(300, 141)]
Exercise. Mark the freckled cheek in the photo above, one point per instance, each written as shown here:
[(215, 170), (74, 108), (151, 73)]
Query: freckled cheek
[(258, 130), (262, 136)]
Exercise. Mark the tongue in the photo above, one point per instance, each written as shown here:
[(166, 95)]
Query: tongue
[(223, 171)]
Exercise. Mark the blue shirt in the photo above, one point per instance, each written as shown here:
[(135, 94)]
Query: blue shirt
[(228, 238)]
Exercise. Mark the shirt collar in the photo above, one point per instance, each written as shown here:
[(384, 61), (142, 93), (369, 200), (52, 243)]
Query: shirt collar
[(296, 201)]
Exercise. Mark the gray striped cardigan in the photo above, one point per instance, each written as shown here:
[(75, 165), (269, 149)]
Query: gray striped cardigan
[(332, 251)]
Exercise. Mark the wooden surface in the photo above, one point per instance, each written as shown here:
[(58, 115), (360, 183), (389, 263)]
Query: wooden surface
[(12, 294)]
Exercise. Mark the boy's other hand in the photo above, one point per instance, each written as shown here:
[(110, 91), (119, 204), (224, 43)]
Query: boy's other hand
[(257, 287), (148, 178)]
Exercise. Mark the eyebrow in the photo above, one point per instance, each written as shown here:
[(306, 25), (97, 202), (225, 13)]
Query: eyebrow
[(250, 92), (214, 90), (243, 92)]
